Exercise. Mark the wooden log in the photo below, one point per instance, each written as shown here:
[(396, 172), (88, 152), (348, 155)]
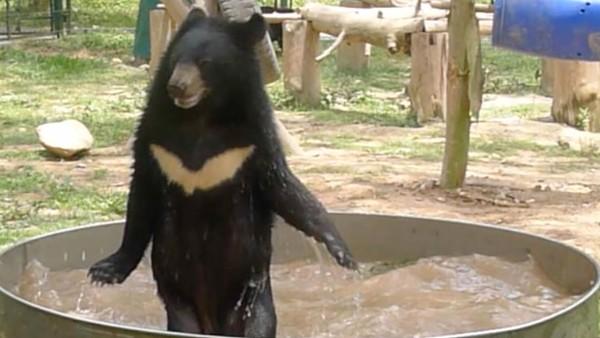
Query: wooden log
[(484, 8), (464, 90), (386, 33), (274, 18), (159, 31), (382, 13), (301, 74), (427, 87), (352, 56), (576, 93), (441, 25), (387, 3)]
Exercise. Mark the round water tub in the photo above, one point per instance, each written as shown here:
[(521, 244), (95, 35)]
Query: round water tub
[(370, 237)]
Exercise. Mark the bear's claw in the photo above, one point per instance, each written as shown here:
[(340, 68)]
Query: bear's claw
[(112, 270)]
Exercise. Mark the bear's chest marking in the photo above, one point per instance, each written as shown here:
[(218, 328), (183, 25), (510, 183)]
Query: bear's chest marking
[(215, 170)]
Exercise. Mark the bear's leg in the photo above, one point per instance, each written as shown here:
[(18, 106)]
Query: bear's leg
[(143, 212), (292, 201), (181, 318), (262, 323)]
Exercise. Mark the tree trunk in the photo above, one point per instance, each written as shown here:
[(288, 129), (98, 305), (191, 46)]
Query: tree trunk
[(429, 66), (301, 73), (576, 94), (464, 90), (362, 25), (352, 56)]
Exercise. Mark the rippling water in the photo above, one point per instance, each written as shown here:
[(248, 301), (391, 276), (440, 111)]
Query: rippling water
[(432, 296)]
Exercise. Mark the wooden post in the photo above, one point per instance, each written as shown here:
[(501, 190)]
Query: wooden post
[(352, 56), (301, 73), (429, 67), (576, 93), (547, 76), (464, 89), (159, 34), (177, 9)]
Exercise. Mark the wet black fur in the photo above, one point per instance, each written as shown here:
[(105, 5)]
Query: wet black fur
[(211, 251)]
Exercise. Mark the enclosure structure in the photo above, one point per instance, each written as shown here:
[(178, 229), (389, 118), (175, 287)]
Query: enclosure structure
[(26, 18), (371, 238)]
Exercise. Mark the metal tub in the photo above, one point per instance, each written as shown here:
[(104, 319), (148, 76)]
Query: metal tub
[(370, 237)]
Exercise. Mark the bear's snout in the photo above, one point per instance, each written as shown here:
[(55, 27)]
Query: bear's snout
[(186, 86), (176, 90)]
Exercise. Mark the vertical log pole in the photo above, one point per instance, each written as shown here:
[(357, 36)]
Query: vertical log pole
[(352, 56), (301, 73), (464, 70), (429, 67), (157, 20)]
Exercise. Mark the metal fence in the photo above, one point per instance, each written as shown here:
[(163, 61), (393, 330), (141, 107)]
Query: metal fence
[(23, 18)]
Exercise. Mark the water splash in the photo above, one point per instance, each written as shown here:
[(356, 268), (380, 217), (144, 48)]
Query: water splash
[(430, 297)]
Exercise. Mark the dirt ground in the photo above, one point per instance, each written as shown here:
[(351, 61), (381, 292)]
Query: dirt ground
[(554, 197)]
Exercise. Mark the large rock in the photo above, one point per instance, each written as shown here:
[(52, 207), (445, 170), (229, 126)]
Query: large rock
[(65, 139), (579, 140)]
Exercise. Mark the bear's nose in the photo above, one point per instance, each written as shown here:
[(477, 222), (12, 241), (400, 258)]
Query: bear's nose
[(176, 90)]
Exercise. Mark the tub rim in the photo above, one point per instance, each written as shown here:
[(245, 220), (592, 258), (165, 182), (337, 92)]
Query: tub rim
[(583, 298)]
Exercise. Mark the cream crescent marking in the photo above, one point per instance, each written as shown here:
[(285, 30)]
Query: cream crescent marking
[(215, 170)]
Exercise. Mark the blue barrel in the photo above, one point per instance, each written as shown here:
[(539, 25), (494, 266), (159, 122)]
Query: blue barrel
[(562, 29)]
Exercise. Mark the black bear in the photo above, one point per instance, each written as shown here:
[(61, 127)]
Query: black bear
[(209, 175)]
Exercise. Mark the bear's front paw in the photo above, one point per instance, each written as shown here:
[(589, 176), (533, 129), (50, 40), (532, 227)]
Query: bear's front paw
[(111, 270), (343, 257)]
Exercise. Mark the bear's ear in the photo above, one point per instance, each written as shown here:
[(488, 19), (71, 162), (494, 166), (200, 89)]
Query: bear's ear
[(250, 32)]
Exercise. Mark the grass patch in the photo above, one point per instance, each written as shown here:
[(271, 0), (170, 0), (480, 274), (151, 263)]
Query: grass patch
[(115, 13), (508, 72), (98, 45), (369, 97), (28, 66), (414, 148), (335, 116), (44, 87), (524, 111), (34, 202), (512, 147)]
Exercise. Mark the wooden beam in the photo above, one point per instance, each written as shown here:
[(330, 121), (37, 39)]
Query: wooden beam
[(441, 25), (273, 18), (388, 3), (483, 8), (386, 33)]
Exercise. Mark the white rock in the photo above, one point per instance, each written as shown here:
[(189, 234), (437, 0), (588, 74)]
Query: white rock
[(65, 139), (579, 140)]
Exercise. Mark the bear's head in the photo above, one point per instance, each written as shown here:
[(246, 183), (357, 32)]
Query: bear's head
[(211, 57)]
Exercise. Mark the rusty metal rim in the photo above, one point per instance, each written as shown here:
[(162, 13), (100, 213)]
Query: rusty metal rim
[(583, 298)]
